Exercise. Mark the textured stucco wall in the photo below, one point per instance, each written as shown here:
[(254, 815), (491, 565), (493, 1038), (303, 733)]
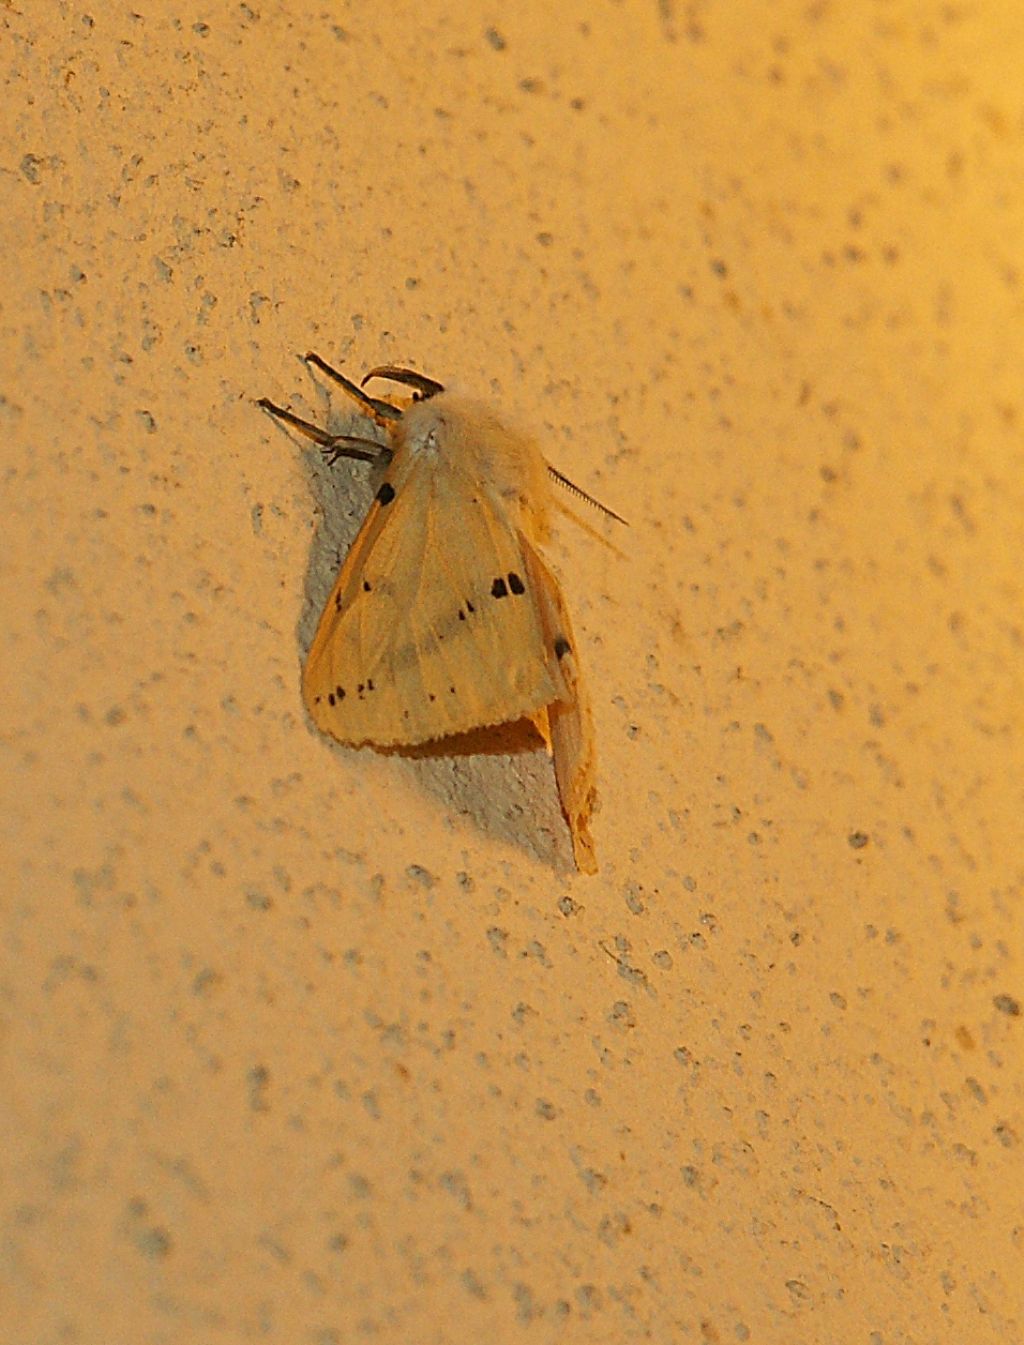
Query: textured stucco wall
[(306, 1044)]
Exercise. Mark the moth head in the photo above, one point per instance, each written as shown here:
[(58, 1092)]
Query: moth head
[(425, 428), (466, 439)]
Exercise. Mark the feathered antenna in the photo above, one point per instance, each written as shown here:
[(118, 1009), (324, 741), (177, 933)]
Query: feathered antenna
[(578, 490)]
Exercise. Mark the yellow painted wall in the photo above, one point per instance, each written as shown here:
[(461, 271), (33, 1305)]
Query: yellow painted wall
[(317, 1046)]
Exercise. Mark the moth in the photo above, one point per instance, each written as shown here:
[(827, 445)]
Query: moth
[(444, 616)]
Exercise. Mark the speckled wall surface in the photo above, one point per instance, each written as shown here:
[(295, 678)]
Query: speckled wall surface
[(314, 1045)]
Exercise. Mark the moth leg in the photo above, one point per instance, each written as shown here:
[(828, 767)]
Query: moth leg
[(382, 412), (332, 446), (424, 386)]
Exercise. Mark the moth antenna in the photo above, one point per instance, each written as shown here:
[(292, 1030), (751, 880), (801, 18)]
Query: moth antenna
[(332, 446), (578, 490), (426, 387), (380, 411)]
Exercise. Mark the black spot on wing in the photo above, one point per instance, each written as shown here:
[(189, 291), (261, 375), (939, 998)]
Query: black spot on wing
[(504, 585), (562, 646), (366, 586), (386, 493)]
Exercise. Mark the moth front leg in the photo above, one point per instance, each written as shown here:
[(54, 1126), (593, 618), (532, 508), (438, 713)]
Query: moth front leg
[(382, 412), (332, 446), (423, 387)]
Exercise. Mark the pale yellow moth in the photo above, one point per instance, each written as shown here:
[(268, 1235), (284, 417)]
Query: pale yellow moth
[(444, 617)]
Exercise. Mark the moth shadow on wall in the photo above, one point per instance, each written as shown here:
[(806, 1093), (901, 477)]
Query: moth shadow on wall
[(499, 780)]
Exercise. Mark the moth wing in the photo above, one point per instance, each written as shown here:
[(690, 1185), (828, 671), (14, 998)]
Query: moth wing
[(434, 625), (570, 725)]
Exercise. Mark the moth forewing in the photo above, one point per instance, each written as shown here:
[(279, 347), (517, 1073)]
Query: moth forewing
[(570, 725), (433, 627), (335, 685)]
